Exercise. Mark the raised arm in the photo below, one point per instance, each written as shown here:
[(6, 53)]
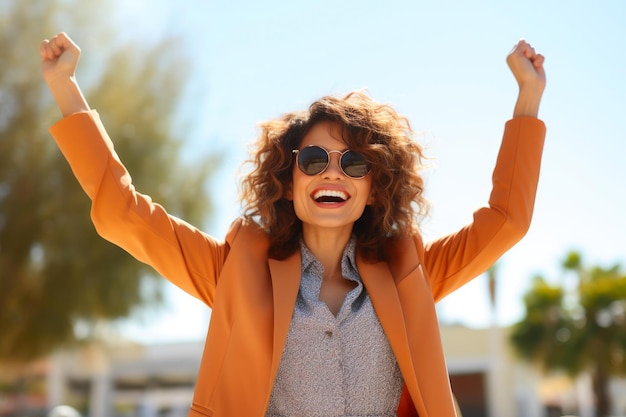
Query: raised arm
[(180, 252), (527, 68), (453, 260), (59, 59)]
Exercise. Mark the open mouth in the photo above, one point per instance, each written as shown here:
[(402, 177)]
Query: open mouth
[(330, 196)]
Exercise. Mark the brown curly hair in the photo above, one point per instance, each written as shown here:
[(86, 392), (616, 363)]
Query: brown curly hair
[(375, 130)]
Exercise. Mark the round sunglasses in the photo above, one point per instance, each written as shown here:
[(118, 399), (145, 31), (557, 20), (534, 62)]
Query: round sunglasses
[(314, 160)]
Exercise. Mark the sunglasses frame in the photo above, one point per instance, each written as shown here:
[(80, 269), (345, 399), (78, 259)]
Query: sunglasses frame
[(296, 152)]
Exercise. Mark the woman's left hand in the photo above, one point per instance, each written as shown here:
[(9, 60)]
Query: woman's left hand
[(527, 66)]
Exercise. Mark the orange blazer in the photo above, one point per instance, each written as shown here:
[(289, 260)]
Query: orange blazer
[(252, 297)]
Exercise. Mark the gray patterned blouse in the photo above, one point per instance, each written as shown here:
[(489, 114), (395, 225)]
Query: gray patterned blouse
[(335, 366)]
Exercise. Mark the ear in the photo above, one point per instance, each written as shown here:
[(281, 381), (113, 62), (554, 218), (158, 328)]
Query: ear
[(371, 198), (289, 193)]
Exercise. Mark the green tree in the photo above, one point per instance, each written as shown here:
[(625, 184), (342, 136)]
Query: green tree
[(55, 272), (577, 329)]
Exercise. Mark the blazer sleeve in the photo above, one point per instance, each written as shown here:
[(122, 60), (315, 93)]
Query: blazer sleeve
[(178, 251), (453, 260)]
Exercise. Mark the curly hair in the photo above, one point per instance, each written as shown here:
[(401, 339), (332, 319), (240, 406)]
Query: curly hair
[(375, 130)]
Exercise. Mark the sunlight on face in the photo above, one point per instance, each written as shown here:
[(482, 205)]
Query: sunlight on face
[(329, 200)]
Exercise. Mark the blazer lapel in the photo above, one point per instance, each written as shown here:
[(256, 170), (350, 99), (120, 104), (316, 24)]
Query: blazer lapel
[(383, 292), (285, 277)]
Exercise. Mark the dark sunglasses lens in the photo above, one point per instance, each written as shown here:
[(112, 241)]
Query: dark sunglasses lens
[(312, 160), (354, 164)]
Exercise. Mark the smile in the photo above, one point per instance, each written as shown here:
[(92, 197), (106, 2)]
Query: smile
[(330, 196)]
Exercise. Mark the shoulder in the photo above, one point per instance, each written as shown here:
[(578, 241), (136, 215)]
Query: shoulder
[(404, 254), (246, 233)]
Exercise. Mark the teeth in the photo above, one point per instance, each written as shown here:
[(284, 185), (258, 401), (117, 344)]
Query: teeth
[(330, 193)]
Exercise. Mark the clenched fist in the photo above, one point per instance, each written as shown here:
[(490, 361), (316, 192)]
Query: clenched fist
[(527, 66), (59, 57)]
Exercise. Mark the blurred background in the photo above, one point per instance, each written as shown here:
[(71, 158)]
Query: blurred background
[(181, 87)]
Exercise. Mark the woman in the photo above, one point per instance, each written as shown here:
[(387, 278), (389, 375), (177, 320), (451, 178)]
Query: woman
[(323, 294)]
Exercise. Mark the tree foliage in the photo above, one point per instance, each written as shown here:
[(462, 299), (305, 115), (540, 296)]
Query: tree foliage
[(577, 330), (55, 271)]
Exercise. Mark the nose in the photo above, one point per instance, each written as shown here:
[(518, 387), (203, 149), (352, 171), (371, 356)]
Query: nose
[(333, 171)]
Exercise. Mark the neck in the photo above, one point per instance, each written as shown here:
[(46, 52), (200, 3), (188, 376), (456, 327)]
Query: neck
[(327, 245)]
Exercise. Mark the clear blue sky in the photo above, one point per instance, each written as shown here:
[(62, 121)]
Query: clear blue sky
[(442, 64)]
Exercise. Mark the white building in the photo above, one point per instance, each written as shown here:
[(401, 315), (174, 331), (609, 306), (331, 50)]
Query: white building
[(129, 379)]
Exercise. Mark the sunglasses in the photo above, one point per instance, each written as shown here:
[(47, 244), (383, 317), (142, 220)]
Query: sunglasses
[(314, 160)]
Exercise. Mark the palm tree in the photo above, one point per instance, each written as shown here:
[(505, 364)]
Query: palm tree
[(582, 329)]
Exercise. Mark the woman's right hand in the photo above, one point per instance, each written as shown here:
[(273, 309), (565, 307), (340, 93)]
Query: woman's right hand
[(59, 58)]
